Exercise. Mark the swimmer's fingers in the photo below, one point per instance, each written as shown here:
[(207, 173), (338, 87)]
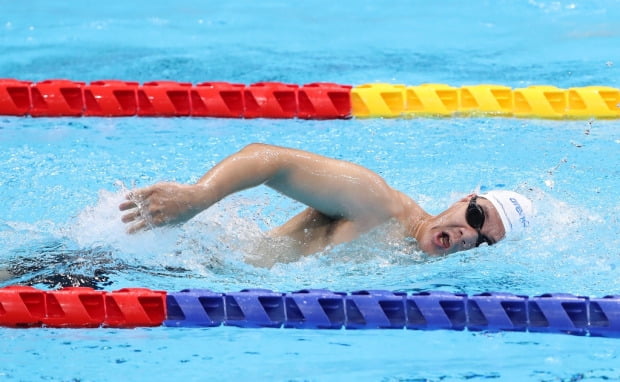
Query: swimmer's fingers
[(139, 226), (153, 206), (143, 222), (135, 216), (142, 193), (130, 216), (128, 205), (136, 198)]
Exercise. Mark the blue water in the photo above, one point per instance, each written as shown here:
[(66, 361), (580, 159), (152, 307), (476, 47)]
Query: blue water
[(62, 179)]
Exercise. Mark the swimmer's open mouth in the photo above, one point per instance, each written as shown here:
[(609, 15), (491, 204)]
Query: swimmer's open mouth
[(443, 240)]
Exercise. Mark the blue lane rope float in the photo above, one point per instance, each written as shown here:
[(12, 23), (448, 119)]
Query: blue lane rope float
[(23, 306)]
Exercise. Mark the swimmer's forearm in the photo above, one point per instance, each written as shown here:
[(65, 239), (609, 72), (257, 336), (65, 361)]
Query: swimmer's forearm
[(250, 167)]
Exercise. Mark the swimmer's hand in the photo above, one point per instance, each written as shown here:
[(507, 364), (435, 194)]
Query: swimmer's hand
[(161, 204)]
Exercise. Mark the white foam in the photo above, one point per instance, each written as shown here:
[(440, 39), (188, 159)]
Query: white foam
[(101, 225), (222, 233)]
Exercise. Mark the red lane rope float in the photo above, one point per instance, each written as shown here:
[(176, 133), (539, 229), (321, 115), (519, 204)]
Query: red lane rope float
[(113, 98), (24, 306), (57, 98), (107, 98), (218, 99), (15, 97)]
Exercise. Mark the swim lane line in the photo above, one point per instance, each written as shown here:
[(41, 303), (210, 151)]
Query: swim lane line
[(24, 306), (114, 98)]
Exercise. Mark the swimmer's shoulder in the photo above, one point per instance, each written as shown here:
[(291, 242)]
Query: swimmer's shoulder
[(405, 209)]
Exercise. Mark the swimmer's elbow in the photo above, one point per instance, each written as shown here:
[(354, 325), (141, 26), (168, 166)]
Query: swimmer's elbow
[(255, 148), (266, 157), (267, 161)]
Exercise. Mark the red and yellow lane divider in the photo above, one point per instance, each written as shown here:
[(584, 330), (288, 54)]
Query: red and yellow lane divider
[(114, 98)]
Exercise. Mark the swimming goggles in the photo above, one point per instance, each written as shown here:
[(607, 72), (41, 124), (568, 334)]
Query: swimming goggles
[(474, 215)]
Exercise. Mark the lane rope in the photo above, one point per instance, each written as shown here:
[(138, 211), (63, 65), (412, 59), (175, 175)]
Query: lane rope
[(25, 306), (321, 100)]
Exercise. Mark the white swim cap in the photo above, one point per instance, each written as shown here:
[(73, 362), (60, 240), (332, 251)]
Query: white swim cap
[(514, 209)]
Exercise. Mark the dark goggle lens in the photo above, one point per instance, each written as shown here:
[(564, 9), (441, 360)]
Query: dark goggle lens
[(474, 214)]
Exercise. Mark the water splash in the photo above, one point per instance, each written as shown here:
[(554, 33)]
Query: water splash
[(225, 248), (101, 225)]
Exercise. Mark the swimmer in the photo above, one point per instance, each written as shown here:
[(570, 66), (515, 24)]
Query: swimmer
[(343, 200)]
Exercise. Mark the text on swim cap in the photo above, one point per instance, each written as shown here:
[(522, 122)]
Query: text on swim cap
[(519, 210)]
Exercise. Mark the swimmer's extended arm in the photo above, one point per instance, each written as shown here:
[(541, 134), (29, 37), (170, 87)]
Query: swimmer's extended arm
[(336, 188)]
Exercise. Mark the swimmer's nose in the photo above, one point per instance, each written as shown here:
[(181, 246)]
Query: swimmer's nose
[(469, 237)]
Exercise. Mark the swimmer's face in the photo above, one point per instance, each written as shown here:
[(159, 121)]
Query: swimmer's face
[(468, 223)]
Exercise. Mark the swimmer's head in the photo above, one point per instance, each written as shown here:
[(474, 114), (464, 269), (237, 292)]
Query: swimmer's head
[(514, 209), (473, 221)]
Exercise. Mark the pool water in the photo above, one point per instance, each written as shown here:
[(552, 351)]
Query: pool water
[(63, 179)]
